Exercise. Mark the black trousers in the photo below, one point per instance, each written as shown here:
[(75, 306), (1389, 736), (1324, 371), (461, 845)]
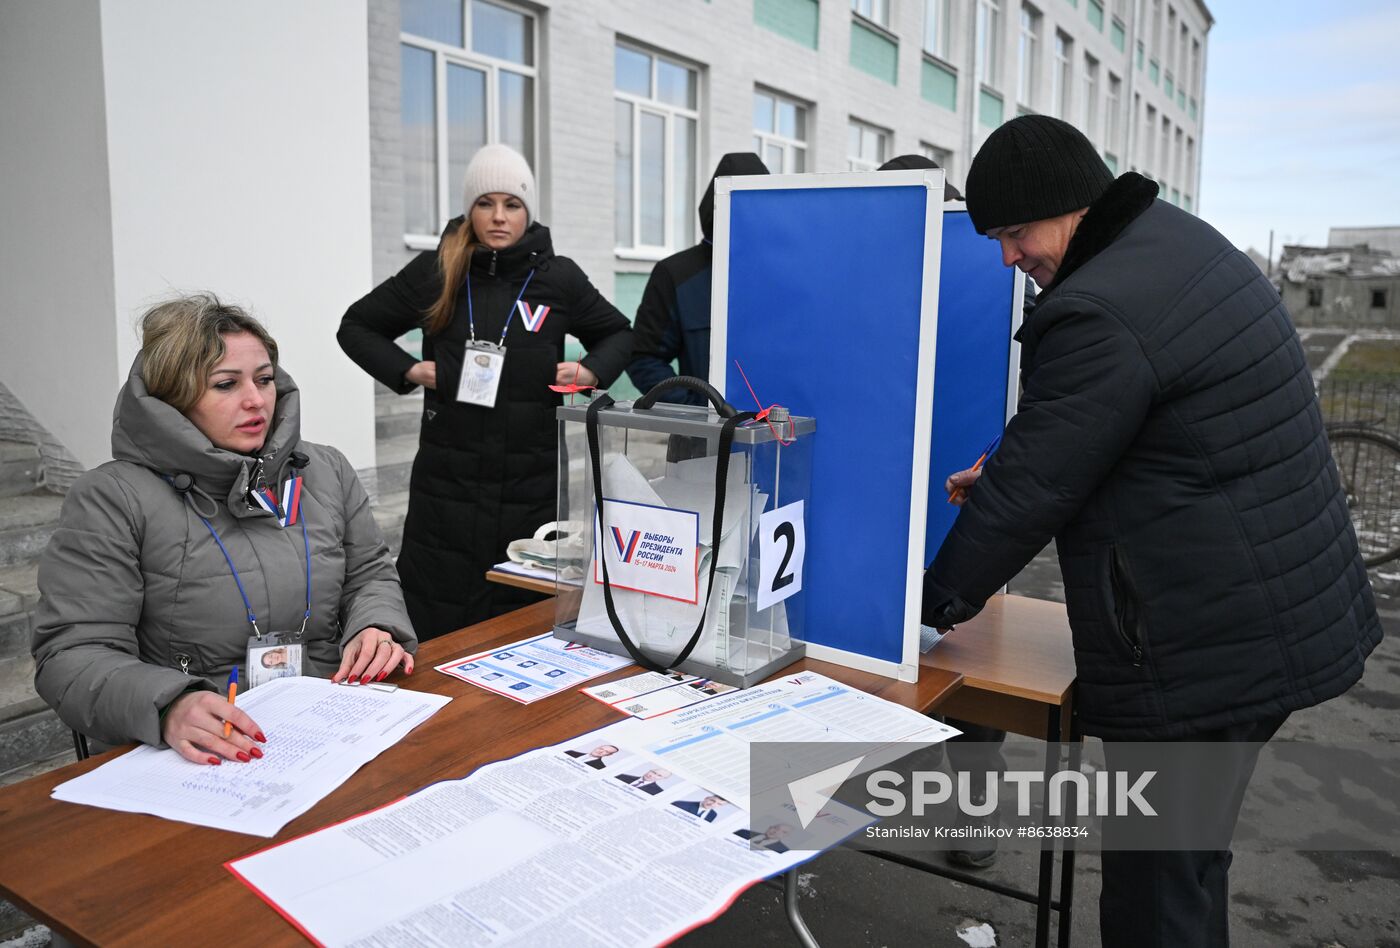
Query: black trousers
[(1180, 899)]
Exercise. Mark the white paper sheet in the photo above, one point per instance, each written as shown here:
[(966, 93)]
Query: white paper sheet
[(532, 669), (318, 735), (546, 848)]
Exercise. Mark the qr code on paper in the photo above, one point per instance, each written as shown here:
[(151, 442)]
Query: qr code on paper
[(634, 708)]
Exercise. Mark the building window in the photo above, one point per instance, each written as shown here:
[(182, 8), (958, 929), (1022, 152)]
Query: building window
[(1095, 13), (1314, 297), (1166, 151), (939, 156), (1112, 114), (988, 41), (780, 132), (656, 116), (1091, 97), (468, 77), (867, 147), (938, 26), (1138, 56), (1149, 143), (1027, 54), (876, 11), (1060, 76), (1195, 73), (1378, 299)]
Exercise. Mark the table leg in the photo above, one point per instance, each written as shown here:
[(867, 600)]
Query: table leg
[(1076, 747), (1047, 856), (794, 911)]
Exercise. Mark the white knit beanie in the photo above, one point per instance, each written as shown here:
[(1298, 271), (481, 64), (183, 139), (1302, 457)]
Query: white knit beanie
[(498, 169)]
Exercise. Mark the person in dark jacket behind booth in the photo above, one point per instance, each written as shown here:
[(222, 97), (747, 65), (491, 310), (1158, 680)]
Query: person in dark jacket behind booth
[(494, 303), (673, 319), (913, 162), (1169, 440)]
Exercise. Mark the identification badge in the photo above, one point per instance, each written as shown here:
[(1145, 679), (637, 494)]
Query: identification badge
[(482, 365), (272, 656)]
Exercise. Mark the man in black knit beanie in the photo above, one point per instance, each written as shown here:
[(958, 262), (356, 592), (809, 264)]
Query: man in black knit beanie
[(1168, 439)]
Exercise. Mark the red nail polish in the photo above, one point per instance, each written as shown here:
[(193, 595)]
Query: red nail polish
[(243, 756), (256, 752), (214, 760), (364, 679), (382, 675), (261, 737)]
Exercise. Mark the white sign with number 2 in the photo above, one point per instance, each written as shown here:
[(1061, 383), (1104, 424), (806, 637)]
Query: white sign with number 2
[(782, 546)]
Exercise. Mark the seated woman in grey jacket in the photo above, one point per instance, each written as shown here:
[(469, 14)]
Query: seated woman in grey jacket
[(215, 537)]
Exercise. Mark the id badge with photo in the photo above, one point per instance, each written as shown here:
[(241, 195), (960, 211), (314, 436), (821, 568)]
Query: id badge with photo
[(482, 365), (272, 656)]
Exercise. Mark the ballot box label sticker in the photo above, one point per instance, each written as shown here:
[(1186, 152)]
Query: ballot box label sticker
[(782, 549), (649, 549)]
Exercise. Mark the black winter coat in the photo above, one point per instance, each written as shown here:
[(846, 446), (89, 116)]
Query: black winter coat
[(483, 476), (1169, 439)]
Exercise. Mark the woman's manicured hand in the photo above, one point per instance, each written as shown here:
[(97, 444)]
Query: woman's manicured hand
[(370, 656), (194, 727)]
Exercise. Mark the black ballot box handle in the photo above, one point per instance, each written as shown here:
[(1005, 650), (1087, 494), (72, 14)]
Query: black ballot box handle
[(723, 408)]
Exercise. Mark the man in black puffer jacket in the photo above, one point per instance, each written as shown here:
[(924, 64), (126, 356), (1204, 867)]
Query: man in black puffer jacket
[(673, 318), (1169, 440)]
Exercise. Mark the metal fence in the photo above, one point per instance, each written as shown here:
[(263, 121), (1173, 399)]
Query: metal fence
[(1370, 403)]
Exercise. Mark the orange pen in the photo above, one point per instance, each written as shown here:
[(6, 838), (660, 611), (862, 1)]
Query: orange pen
[(232, 693)]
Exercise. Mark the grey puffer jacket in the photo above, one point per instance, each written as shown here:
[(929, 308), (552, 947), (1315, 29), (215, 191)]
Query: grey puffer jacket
[(137, 603)]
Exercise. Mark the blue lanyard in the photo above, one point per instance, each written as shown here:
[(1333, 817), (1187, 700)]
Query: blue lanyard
[(253, 619), (471, 319)]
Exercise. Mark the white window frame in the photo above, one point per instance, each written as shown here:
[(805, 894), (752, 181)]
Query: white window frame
[(876, 11), (1062, 76), (668, 113), (1112, 113), (943, 157), (987, 36), (855, 162), (788, 145), (445, 53), (1028, 54), (1089, 108), (938, 27)]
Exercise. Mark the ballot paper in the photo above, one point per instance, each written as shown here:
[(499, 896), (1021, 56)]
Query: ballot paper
[(318, 735), (613, 838), (556, 847), (532, 669)]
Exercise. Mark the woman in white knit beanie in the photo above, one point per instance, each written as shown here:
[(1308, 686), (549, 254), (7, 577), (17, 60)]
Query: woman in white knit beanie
[(495, 304)]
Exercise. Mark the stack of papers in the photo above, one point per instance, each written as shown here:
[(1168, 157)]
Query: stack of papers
[(318, 735)]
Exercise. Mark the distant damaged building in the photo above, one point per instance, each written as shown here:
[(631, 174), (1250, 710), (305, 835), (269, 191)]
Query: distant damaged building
[(1354, 287)]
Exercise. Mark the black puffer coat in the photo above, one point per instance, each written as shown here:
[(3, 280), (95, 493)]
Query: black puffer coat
[(483, 476), (1169, 439)]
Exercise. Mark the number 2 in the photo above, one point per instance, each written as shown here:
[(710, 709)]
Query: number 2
[(784, 531)]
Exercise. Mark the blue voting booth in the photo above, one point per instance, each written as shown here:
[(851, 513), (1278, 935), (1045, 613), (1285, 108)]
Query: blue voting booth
[(854, 298)]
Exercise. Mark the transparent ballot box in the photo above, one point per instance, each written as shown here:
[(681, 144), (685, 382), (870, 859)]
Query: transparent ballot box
[(696, 562)]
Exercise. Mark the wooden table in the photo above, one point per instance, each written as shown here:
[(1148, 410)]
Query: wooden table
[(537, 584), (1017, 663), (109, 878)]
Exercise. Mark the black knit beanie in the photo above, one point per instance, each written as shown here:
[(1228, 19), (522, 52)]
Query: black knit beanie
[(1031, 168)]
